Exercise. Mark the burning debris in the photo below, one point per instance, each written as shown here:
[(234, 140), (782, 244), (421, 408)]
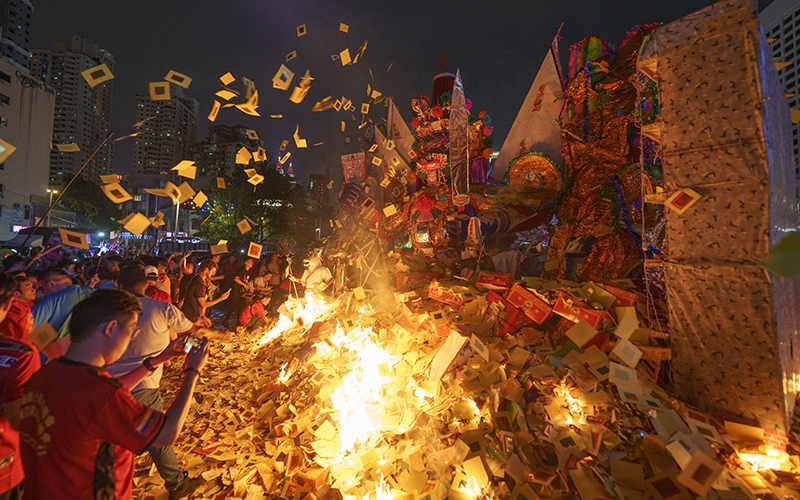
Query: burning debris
[(541, 389)]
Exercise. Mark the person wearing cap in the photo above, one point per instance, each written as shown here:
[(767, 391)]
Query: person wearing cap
[(79, 427), (155, 289)]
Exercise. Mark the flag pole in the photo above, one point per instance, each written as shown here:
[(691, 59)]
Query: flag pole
[(43, 217)]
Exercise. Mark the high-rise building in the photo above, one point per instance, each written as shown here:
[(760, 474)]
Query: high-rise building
[(168, 132), (26, 122), (318, 190), (82, 113), (216, 155), (780, 21), (15, 37)]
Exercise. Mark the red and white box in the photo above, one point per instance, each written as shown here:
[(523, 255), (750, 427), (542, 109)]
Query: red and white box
[(444, 294), (494, 281), (535, 308)]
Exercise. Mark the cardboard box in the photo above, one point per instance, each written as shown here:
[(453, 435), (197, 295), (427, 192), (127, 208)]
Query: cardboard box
[(625, 297), (445, 294), (533, 307), (494, 281), (596, 318)]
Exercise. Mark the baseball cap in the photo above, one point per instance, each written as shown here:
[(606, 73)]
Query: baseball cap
[(151, 271)]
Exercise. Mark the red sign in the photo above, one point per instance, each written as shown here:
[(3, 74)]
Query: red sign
[(355, 167)]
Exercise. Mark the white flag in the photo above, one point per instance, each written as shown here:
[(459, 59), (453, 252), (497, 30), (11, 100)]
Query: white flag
[(398, 131), (536, 127)]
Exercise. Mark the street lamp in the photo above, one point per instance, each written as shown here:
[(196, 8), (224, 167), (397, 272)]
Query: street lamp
[(50, 207)]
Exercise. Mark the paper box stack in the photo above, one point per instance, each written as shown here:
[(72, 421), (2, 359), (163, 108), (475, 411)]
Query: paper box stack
[(549, 390)]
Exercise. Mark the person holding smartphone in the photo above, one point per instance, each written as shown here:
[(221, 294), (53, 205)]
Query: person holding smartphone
[(80, 427), (160, 323)]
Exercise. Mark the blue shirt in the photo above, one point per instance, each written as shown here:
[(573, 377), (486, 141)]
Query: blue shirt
[(56, 308)]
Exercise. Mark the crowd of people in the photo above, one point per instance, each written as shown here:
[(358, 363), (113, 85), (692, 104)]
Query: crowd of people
[(82, 344)]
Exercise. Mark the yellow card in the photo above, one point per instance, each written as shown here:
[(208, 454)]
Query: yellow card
[(109, 179), (137, 224), (158, 220), (186, 168), (250, 106), (344, 28), (97, 75), (225, 95), (73, 239), (344, 56), (214, 111), (159, 91), (283, 78), (254, 250), (252, 135), (283, 145), (200, 199), (68, 148), (227, 79), (300, 143), (389, 210), (301, 30), (298, 94), (116, 193), (243, 156), (291, 55), (243, 226), (256, 179), (186, 192), (178, 79), (219, 249), (220, 183)]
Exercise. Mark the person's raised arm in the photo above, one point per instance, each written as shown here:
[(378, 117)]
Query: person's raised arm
[(176, 415), (205, 303), (132, 378)]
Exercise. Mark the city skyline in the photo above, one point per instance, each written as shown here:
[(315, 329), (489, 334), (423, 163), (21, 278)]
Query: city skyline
[(498, 57)]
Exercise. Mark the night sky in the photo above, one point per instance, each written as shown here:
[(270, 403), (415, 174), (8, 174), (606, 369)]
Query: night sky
[(498, 47)]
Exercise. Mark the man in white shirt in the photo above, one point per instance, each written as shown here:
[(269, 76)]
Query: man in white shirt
[(160, 323)]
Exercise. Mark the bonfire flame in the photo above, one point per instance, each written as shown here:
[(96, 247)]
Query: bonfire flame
[(297, 312), (360, 396)]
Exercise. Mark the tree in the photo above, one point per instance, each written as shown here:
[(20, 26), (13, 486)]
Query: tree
[(277, 210), (92, 206)]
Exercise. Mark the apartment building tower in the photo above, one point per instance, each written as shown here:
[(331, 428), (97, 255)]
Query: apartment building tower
[(168, 133), (82, 113)]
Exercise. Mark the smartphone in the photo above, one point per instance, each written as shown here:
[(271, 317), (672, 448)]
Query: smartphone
[(194, 342)]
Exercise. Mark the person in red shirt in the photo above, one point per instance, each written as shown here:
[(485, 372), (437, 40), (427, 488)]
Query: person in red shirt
[(153, 290), (18, 361), (254, 315), (18, 323), (79, 427)]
